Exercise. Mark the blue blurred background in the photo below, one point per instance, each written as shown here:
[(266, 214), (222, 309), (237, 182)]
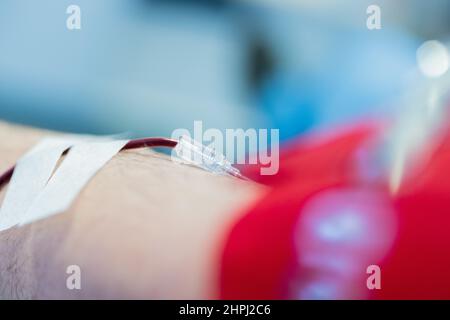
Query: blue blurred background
[(149, 67)]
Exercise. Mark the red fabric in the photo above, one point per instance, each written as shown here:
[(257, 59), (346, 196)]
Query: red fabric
[(259, 258)]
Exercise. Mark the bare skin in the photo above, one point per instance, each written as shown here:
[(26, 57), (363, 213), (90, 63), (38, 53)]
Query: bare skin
[(144, 227)]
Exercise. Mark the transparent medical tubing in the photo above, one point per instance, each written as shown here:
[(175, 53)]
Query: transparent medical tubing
[(207, 158)]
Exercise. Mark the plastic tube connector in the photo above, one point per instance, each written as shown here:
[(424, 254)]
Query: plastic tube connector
[(193, 152)]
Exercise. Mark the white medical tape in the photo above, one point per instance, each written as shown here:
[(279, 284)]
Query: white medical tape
[(31, 174), (81, 163)]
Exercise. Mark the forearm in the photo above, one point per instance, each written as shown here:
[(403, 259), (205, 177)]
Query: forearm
[(143, 227)]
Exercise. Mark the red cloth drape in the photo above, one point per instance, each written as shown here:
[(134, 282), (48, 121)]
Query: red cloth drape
[(261, 253)]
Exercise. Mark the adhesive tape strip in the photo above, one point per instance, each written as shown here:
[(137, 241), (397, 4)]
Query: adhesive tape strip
[(31, 174), (80, 165), (33, 193)]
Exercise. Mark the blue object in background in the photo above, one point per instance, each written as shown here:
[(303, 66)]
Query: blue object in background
[(359, 78), (291, 104)]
